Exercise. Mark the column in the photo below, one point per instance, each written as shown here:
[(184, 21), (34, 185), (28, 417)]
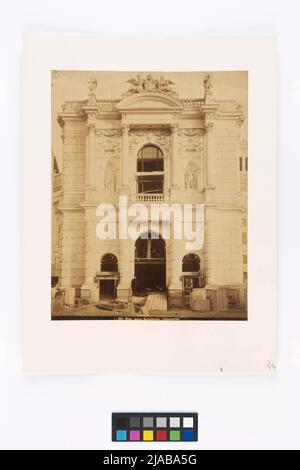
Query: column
[(90, 158), (209, 154), (124, 167), (89, 289), (126, 268), (174, 157), (175, 262)]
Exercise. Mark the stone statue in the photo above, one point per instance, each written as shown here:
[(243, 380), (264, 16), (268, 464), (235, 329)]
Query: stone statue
[(190, 178), (92, 90), (165, 86), (137, 84), (150, 84), (92, 85), (110, 180), (207, 87), (207, 84)]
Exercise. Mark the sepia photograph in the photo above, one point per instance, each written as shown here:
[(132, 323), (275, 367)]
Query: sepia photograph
[(149, 195)]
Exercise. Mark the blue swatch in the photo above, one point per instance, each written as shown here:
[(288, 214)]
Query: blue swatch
[(121, 435), (188, 435)]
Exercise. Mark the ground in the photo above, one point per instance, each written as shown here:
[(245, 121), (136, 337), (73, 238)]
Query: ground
[(93, 312)]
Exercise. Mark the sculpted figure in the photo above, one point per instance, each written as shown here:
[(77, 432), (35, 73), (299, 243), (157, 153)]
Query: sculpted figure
[(190, 178), (207, 84), (165, 86), (110, 177), (150, 84), (92, 85), (134, 83)]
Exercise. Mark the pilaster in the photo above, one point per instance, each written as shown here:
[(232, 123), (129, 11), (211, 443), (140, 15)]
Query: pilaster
[(124, 167)]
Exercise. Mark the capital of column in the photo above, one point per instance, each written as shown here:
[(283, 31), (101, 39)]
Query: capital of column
[(174, 127), (208, 123), (125, 127), (91, 123)]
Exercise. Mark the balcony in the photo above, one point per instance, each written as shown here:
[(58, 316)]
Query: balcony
[(150, 198)]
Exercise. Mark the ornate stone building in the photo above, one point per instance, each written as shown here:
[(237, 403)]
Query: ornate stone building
[(152, 146)]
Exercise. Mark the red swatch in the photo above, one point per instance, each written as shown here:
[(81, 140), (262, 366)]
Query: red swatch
[(161, 435)]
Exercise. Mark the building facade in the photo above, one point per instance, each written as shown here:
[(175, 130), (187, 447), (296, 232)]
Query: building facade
[(153, 147)]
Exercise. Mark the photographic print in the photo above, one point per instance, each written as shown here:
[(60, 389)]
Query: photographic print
[(149, 195)]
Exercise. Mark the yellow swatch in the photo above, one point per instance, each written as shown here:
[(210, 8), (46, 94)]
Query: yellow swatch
[(147, 435)]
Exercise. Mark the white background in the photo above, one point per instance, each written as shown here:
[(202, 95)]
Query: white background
[(74, 412)]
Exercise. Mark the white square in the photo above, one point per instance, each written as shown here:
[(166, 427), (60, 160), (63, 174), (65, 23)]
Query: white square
[(188, 422), (174, 422)]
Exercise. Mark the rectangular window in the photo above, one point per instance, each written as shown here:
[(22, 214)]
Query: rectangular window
[(150, 165), (151, 185), (241, 164), (77, 292), (246, 163)]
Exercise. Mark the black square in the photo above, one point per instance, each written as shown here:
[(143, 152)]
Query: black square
[(121, 422)]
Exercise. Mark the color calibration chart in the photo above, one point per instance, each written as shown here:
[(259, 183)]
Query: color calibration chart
[(146, 427)]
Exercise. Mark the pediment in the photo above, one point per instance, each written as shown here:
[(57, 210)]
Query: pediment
[(149, 102)]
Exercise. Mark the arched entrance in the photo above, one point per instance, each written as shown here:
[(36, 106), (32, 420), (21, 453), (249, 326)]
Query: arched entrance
[(150, 264)]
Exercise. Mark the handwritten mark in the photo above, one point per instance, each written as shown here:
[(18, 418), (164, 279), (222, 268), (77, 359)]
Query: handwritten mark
[(271, 365)]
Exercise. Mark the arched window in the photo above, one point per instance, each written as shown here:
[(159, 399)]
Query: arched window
[(151, 246), (150, 165), (150, 158), (109, 262), (190, 263)]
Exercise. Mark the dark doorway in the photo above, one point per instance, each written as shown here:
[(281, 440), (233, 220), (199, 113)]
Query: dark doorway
[(109, 276), (107, 288), (150, 263)]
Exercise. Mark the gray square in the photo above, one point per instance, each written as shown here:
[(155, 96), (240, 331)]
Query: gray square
[(161, 422), (148, 422), (135, 422)]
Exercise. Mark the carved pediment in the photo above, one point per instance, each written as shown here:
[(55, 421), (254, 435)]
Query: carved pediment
[(150, 102)]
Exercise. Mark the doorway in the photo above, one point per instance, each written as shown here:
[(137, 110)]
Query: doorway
[(107, 289), (150, 264)]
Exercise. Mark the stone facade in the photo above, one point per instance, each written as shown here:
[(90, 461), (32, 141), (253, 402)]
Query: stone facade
[(204, 161)]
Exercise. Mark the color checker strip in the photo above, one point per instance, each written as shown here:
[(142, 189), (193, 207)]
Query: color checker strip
[(150, 427)]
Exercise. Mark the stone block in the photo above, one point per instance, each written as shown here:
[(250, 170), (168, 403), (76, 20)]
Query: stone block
[(175, 298), (198, 300)]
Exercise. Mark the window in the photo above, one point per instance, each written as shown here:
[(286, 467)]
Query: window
[(150, 185), (246, 163), (109, 262), (151, 248), (241, 164), (191, 263), (54, 280), (150, 158)]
